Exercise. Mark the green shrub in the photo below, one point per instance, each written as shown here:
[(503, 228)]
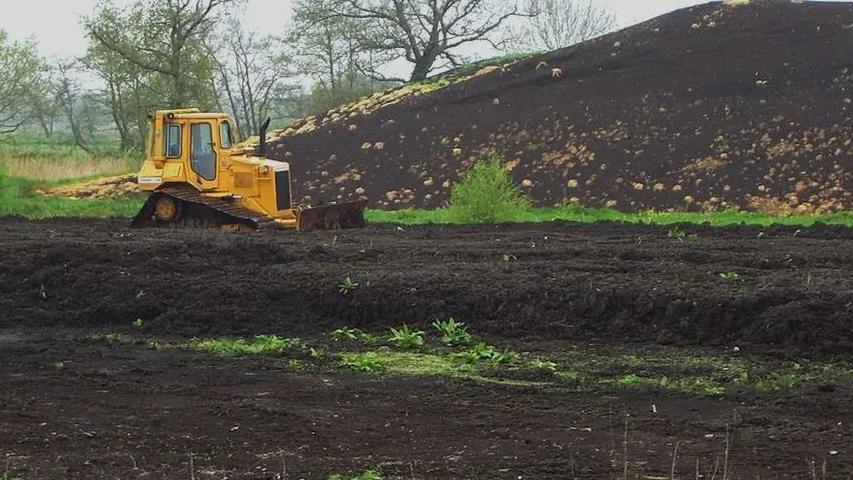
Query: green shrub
[(486, 194), (405, 338), (349, 334), (453, 333)]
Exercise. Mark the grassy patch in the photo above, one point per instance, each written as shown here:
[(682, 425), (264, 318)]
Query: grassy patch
[(368, 475), (260, 345), (34, 144), (32, 155), (576, 213), (677, 370), (593, 369), (693, 386), (63, 169), (576, 368), (484, 353), (17, 197), (367, 362), (422, 364)]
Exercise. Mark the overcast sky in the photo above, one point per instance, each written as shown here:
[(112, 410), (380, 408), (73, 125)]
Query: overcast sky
[(55, 23)]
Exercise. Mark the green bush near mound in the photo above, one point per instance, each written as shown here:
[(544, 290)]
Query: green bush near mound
[(486, 194)]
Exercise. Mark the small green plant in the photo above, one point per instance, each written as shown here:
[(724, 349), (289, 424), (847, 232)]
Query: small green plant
[(694, 386), (138, 323), (543, 365), (677, 234), (347, 286), (482, 352), (349, 334), (453, 333), (368, 362), (730, 276), (778, 382), (58, 366), (507, 258), (405, 338), (630, 380), (486, 194), (368, 475), (295, 364), (114, 337)]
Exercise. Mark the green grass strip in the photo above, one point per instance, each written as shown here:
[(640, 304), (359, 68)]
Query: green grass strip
[(17, 198), (574, 213)]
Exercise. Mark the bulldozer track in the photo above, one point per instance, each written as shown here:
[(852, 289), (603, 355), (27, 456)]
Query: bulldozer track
[(225, 211)]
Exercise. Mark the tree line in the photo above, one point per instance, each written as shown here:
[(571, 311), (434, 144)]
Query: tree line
[(179, 53)]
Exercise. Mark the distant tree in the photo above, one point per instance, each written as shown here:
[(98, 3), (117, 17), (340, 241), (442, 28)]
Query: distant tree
[(165, 38), (45, 107), (68, 94), (560, 23), (127, 93), (22, 77), (426, 33), (326, 48), (254, 75)]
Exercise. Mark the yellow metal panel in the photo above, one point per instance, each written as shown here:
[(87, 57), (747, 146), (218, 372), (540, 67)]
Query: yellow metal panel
[(173, 170), (244, 180)]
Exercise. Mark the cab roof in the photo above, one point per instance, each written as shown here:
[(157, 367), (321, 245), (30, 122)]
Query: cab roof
[(192, 114)]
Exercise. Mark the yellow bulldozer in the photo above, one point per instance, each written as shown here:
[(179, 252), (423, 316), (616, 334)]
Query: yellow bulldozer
[(198, 176)]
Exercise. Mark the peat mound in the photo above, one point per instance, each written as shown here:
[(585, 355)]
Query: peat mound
[(712, 107)]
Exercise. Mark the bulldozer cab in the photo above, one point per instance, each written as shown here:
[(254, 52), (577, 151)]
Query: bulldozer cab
[(194, 142)]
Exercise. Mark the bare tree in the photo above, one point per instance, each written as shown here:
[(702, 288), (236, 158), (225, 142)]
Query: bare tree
[(561, 23), (252, 75), (45, 108), (426, 33), (68, 95)]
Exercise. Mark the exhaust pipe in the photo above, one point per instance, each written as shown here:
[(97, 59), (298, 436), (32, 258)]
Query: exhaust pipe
[(262, 145)]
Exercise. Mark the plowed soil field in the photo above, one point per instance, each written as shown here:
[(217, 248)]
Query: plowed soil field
[(73, 406)]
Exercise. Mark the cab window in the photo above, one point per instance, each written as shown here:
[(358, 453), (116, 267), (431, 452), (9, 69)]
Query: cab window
[(225, 135), (172, 141), (202, 155)]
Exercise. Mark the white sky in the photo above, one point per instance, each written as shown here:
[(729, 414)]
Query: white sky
[(55, 23)]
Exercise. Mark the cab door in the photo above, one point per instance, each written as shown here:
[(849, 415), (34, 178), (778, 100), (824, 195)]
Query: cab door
[(203, 156)]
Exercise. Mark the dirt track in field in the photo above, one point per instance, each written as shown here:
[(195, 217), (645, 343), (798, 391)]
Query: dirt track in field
[(607, 282), (126, 411)]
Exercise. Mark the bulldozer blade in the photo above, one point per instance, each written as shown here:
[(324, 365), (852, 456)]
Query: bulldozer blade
[(332, 217)]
